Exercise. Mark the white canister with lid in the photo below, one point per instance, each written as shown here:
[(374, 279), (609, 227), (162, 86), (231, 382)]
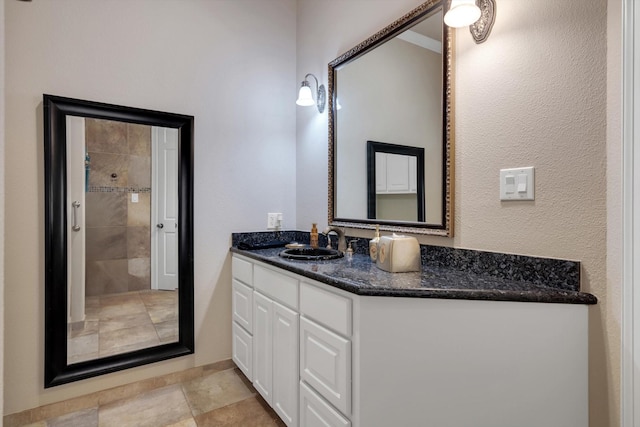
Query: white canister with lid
[(398, 254)]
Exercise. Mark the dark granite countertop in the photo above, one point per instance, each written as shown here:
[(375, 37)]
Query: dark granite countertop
[(361, 276)]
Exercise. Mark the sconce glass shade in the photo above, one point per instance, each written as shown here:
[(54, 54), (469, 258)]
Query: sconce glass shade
[(305, 98), (462, 13)]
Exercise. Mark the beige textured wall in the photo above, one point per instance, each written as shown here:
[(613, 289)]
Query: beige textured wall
[(231, 64), (534, 94)]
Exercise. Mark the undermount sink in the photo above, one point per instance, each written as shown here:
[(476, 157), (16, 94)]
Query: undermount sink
[(310, 254)]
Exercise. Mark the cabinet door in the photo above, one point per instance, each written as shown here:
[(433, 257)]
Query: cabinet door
[(397, 173), (242, 305), (315, 412), (242, 350), (285, 364), (413, 174), (325, 363), (262, 345), (381, 172)]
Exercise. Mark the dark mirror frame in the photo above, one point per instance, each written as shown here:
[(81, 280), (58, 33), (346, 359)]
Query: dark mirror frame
[(56, 370), (374, 147), (445, 227)]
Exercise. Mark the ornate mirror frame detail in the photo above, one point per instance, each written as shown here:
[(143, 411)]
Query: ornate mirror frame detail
[(57, 370), (445, 228)]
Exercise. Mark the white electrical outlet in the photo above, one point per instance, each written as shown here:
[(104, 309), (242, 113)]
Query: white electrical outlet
[(274, 221)]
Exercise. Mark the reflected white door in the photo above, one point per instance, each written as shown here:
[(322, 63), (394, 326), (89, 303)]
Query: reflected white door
[(164, 212), (76, 205)]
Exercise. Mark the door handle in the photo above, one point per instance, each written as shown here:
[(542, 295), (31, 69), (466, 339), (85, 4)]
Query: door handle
[(75, 205), (160, 225)]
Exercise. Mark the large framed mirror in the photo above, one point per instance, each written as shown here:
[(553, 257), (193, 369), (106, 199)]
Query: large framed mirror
[(118, 237), (396, 86)]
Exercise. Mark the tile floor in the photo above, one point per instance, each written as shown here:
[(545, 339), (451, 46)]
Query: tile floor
[(215, 395), (119, 323)]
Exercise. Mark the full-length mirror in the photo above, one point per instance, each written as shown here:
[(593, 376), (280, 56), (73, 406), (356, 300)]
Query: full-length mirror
[(395, 87), (119, 237)]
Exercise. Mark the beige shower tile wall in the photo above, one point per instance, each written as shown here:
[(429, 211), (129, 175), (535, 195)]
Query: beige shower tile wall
[(118, 230), (139, 140)]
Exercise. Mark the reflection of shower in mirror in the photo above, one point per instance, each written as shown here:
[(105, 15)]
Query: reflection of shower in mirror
[(122, 265)]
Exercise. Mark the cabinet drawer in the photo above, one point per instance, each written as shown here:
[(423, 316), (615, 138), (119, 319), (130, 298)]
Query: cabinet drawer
[(314, 411), (242, 350), (242, 270), (242, 305), (278, 286), (327, 308), (325, 363)]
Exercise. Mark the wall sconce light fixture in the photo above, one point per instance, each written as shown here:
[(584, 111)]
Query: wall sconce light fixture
[(305, 97), (479, 15)]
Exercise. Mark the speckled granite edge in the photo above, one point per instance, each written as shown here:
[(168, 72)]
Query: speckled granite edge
[(548, 272), (361, 277)]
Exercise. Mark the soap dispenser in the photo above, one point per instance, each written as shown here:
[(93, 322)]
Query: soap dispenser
[(373, 245), (313, 237), (350, 250)]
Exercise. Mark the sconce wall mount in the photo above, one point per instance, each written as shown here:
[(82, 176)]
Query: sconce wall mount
[(481, 29), (479, 15)]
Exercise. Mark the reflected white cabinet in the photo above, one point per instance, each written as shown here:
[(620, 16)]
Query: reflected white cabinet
[(396, 173)]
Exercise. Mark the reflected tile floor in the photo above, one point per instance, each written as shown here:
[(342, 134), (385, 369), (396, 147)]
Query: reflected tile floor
[(119, 323), (217, 395)]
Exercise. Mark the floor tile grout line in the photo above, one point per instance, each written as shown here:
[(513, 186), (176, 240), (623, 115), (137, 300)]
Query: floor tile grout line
[(165, 380)]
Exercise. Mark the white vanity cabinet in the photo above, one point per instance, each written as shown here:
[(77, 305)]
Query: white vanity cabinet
[(378, 361), (275, 341), (265, 334), (325, 345)]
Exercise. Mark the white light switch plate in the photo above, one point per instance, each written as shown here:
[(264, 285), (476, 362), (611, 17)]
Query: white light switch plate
[(517, 184)]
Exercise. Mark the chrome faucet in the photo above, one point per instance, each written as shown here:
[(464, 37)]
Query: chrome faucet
[(342, 241)]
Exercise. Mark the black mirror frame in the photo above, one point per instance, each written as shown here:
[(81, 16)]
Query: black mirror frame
[(446, 226), (374, 147), (56, 370)]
